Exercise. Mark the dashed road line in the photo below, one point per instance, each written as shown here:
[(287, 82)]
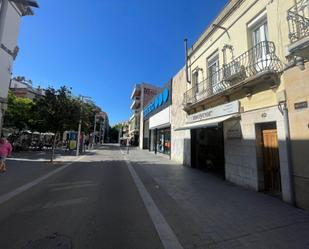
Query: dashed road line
[(4, 198), (65, 203), (62, 188)]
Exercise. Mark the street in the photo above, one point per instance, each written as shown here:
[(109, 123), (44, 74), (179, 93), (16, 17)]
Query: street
[(93, 203), (114, 199)]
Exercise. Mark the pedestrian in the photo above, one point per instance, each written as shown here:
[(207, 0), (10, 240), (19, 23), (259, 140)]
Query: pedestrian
[(87, 144), (5, 151)]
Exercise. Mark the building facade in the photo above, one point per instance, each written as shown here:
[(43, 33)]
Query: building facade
[(236, 98), (23, 88), (180, 139), (141, 95), (157, 122), (123, 133), (10, 16), (297, 91)]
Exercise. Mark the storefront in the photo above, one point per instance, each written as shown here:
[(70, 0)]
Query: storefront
[(207, 137), (160, 138), (157, 120), (162, 142), (246, 148), (207, 149)]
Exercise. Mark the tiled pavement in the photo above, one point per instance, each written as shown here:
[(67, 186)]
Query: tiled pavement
[(207, 212)]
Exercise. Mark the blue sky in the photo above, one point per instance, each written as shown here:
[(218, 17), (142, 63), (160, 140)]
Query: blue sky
[(101, 48)]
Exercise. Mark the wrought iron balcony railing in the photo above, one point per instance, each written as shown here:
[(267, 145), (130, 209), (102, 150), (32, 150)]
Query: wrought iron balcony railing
[(298, 20), (258, 60)]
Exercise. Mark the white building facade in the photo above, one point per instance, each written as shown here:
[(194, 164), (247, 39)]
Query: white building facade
[(10, 17)]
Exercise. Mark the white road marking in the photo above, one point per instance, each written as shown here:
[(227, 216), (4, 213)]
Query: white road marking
[(65, 203), (28, 160), (73, 187), (166, 234), (60, 184), (4, 198)]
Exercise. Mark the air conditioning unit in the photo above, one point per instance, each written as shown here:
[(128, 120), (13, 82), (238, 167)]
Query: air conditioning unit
[(234, 72)]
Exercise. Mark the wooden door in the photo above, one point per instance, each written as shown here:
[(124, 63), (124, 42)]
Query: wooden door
[(271, 162)]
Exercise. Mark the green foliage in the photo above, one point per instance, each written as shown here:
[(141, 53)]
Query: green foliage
[(114, 133), (18, 115), (55, 112), (88, 111)]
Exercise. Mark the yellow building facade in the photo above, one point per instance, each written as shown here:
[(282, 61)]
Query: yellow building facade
[(243, 80)]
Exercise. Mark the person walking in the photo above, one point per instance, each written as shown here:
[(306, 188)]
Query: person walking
[(5, 151)]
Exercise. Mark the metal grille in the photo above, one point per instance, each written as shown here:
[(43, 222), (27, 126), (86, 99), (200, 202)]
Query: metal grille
[(298, 21), (259, 59)]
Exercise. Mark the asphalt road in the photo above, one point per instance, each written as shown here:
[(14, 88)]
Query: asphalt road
[(93, 203)]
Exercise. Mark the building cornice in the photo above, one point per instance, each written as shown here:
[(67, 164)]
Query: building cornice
[(227, 11)]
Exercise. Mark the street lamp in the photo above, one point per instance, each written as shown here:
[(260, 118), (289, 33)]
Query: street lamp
[(80, 123), (94, 130), (101, 114)]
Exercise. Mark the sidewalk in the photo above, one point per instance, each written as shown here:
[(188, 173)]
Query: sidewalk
[(44, 156), (207, 212)]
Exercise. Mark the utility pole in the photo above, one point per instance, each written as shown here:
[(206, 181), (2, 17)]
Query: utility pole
[(94, 130), (119, 133), (103, 130), (80, 124), (100, 134)]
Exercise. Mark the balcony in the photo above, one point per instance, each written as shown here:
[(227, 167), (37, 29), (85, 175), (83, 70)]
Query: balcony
[(136, 91), (298, 21), (136, 103), (259, 64)]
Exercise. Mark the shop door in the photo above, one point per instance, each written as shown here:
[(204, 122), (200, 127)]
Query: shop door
[(271, 162), (207, 150)]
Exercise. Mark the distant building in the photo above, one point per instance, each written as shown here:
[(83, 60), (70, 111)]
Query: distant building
[(10, 13), (23, 88), (157, 121), (124, 132), (141, 96), (103, 122)]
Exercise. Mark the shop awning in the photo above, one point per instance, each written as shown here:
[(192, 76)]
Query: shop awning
[(207, 123)]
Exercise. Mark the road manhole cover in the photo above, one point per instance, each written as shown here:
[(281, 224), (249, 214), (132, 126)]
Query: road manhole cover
[(55, 241)]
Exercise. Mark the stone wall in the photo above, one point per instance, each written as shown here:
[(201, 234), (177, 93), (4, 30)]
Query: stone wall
[(242, 158), (297, 90), (180, 140)]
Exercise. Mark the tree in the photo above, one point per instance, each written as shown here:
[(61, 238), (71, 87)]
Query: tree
[(57, 111), (114, 133), (89, 110), (18, 114)]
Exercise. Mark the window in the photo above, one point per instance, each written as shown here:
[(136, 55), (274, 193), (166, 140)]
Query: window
[(259, 36), (213, 73), (195, 81)]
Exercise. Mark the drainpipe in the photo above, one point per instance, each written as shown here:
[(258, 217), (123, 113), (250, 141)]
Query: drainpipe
[(186, 60), (285, 112)]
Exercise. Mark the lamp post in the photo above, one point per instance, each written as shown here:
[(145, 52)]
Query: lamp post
[(101, 114), (80, 123), (94, 130)]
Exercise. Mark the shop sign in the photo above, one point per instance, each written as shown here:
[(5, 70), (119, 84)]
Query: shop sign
[(235, 130), (301, 105), (158, 101), (221, 110)]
